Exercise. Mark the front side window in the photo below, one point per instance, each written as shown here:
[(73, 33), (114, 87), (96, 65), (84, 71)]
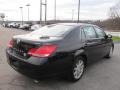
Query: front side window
[(100, 33), (89, 32)]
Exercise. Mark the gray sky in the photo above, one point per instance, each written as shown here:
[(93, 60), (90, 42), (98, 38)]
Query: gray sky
[(90, 9)]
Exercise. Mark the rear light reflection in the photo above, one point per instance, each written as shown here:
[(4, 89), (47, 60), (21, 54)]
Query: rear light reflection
[(43, 51), (10, 44)]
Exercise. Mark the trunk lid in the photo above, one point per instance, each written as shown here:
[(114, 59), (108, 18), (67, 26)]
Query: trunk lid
[(37, 38), (23, 43)]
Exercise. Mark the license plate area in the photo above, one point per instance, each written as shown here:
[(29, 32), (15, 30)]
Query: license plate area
[(21, 49), (20, 52)]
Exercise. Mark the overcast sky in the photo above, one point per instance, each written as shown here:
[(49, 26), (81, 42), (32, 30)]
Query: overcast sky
[(90, 9)]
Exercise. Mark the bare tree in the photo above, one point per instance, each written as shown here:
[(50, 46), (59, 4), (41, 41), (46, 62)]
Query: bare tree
[(115, 11)]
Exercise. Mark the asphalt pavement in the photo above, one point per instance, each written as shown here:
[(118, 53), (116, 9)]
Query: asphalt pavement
[(102, 75)]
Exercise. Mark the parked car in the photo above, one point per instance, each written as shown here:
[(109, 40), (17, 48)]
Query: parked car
[(59, 49), (12, 25), (5, 24), (17, 25), (25, 26), (35, 27)]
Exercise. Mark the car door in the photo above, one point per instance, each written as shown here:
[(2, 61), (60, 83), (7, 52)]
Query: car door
[(105, 43), (91, 44)]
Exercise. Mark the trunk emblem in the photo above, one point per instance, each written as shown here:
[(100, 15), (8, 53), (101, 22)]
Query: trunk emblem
[(24, 54)]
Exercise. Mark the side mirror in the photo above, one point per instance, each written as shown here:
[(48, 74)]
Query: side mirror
[(109, 36)]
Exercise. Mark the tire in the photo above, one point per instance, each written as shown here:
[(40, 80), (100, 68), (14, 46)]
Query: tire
[(77, 69), (109, 55)]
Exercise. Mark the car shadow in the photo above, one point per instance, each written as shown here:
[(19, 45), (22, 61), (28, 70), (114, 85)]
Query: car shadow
[(20, 80)]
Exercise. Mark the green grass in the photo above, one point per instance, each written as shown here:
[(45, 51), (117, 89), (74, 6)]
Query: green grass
[(116, 38)]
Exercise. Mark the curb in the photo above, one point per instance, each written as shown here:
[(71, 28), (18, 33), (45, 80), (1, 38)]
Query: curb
[(116, 42)]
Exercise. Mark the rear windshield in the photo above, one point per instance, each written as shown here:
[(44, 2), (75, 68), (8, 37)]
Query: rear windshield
[(53, 30)]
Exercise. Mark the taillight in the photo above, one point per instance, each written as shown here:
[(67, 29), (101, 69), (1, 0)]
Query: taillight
[(43, 51), (10, 44)]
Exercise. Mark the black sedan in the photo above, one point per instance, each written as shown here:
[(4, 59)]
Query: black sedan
[(59, 49)]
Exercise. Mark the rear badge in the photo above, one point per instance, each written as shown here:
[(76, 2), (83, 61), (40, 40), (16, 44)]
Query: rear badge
[(18, 41), (24, 54)]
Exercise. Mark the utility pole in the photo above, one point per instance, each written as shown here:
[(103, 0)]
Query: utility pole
[(28, 5), (43, 4), (55, 11), (21, 13), (78, 11), (72, 14), (45, 11), (40, 12)]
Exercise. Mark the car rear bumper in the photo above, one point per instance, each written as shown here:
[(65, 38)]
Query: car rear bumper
[(38, 68)]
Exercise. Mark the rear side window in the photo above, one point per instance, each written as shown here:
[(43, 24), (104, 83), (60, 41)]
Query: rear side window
[(90, 32), (100, 32), (82, 34), (53, 30)]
